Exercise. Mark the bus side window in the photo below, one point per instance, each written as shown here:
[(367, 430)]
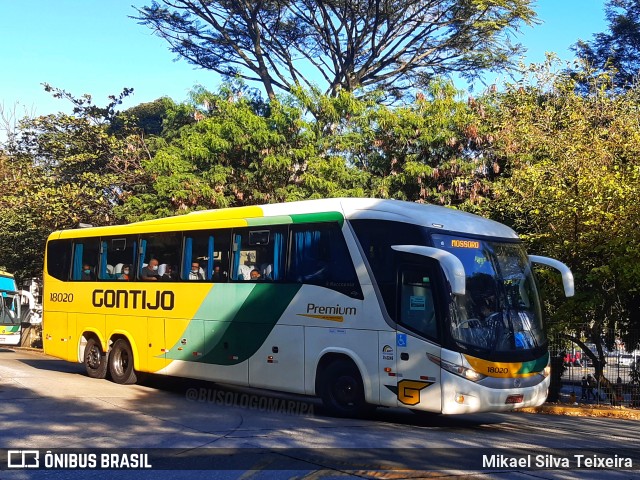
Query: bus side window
[(259, 254), (165, 248), (319, 256), (86, 255), (207, 249), (59, 254), (417, 309), (115, 253), (376, 238)]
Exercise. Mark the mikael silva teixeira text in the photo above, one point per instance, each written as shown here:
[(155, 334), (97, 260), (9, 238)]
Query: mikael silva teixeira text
[(555, 461)]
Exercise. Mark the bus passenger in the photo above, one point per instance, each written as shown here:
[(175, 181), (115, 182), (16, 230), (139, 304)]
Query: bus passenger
[(218, 275), (150, 272), (124, 273), (195, 273), (255, 274), (168, 274), (87, 273)]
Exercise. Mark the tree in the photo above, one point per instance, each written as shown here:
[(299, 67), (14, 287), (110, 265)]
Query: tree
[(571, 177), (619, 48), (243, 151), (239, 151), (345, 44), (61, 170), (424, 151), (160, 118)]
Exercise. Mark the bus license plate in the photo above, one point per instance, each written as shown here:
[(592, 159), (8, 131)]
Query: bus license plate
[(514, 399)]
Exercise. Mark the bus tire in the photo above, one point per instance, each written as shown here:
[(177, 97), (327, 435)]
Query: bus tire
[(95, 360), (342, 391), (121, 363)]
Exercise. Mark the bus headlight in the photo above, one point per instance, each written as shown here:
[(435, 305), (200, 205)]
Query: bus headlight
[(547, 371), (464, 372)]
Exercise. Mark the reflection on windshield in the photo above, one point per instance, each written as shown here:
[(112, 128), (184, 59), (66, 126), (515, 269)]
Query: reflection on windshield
[(500, 310)]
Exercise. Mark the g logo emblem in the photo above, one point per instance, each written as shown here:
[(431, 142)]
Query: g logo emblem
[(409, 391)]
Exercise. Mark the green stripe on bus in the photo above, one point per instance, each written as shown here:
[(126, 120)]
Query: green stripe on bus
[(277, 220), (534, 366), (241, 325), (318, 217)]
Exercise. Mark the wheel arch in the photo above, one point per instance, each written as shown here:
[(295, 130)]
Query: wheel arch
[(84, 338), (328, 356)]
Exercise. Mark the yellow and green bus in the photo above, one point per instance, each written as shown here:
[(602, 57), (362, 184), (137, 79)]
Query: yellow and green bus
[(362, 302)]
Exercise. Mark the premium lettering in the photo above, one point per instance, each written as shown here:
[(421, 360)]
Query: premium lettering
[(164, 300), (337, 310)]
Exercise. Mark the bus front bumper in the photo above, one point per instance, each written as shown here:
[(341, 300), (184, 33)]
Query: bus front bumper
[(463, 396)]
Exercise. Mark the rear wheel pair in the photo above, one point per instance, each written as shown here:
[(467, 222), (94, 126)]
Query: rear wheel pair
[(118, 362)]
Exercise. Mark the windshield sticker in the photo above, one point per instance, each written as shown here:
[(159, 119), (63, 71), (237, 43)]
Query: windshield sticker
[(417, 303), (480, 260)]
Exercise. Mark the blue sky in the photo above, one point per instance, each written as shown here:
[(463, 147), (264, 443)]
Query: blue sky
[(91, 46)]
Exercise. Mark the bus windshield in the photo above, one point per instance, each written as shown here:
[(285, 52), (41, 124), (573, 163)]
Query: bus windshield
[(9, 308), (500, 311)]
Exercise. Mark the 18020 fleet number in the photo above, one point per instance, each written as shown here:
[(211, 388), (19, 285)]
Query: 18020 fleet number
[(61, 297)]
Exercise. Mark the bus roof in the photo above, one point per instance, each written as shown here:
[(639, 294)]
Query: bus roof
[(7, 282), (426, 215), (447, 219)]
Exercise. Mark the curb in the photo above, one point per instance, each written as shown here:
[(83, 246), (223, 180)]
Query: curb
[(28, 349), (585, 411)]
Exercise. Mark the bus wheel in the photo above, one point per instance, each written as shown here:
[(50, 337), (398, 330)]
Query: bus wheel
[(342, 391), (95, 360), (121, 363)]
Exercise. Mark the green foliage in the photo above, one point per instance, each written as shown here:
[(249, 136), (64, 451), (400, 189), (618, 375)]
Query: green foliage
[(231, 155), (157, 118), (423, 151), (62, 170), (572, 177), (242, 151)]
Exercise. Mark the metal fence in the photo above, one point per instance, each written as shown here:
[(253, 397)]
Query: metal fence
[(622, 370)]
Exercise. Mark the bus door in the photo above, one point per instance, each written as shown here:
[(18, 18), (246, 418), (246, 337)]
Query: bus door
[(10, 330), (157, 352), (417, 336)]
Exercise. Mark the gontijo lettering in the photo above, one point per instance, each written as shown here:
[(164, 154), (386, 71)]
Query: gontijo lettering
[(164, 300)]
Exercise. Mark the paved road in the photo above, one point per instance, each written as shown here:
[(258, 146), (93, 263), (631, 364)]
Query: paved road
[(48, 404)]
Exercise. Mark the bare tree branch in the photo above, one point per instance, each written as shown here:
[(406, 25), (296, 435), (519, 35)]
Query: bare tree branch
[(349, 44)]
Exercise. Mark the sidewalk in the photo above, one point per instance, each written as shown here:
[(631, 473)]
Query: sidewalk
[(583, 408)]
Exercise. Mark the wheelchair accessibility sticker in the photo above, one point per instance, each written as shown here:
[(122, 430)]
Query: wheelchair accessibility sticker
[(401, 339)]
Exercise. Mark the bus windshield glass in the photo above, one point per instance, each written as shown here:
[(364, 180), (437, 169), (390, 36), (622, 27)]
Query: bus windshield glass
[(9, 308), (500, 311)]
